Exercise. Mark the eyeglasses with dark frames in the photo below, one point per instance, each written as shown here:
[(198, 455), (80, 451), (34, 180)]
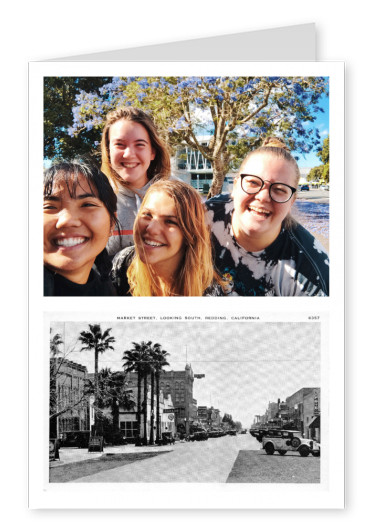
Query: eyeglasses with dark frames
[(278, 192)]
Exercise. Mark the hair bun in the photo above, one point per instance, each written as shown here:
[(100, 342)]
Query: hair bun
[(273, 141)]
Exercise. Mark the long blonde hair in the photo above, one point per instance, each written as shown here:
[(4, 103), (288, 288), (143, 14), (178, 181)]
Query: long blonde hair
[(196, 272), (160, 167)]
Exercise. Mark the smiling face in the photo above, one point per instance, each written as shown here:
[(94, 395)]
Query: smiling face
[(131, 152), (257, 220), (76, 230), (158, 236)]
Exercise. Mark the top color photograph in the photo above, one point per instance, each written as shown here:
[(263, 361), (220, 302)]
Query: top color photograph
[(186, 186)]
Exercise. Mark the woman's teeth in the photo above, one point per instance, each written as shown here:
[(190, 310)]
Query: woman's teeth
[(259, 211), (69, 242), (153, 244)]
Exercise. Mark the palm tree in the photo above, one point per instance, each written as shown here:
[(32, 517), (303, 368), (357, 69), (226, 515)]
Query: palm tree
[(113, 394), (93, 339), (146, 369), (154, 350), (137, 360), (55, 343), (160, 361)]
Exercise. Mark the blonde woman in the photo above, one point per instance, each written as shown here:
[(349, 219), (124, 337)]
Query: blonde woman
[(259, 248), (172, 254), (134, 156)]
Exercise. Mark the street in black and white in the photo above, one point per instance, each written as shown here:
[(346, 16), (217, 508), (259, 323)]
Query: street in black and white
[(229, 459), (166, 399)]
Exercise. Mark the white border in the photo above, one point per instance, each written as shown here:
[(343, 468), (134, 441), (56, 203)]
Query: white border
[(197, 495), (333, 306)]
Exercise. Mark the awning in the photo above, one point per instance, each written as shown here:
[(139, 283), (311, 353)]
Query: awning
[(315, 423)]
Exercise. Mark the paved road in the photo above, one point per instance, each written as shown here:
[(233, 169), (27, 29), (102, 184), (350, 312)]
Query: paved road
[(311, 209), (315, 196), (198, 462)]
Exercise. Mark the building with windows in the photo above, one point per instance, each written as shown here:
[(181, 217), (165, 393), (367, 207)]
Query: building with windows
[(128, 418), (191, 166), (209, 417), (311, 408), (178, 408), (304, 409), (69, 406), (179, 384)]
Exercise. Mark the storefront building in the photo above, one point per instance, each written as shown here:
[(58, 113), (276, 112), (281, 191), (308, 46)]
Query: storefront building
[(304, 408), (128, 418), (69, 408), (179, 385)]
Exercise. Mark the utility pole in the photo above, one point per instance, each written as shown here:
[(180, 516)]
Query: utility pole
[(186, 394)]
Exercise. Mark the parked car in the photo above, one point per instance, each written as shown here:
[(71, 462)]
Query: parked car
[(324, 187), (216, 432), (167, 438), (231, 432), (258, 433), (284, 441), (200, 435), (78, 439), (304, 187)]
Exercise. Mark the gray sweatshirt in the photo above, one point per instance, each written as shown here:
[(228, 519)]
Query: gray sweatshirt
[(128, 204)]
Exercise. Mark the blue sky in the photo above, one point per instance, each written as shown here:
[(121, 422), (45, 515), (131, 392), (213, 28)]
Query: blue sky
[(322, 123)]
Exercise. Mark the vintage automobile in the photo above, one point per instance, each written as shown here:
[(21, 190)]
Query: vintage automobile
[(284, 441), (258, 433), (198, 435), (216, 432), (77, 439), (167, 438)]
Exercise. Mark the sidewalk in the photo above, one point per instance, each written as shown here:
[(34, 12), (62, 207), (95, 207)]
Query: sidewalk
[(75, 455)]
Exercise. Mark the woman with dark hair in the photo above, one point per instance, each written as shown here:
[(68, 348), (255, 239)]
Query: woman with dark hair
[(79, 213), (172, 254), (134, 157), (259, 248)]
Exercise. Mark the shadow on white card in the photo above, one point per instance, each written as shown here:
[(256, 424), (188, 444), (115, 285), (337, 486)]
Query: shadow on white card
[(291, 43)]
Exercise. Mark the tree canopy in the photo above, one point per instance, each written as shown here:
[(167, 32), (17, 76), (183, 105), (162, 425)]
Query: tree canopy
[(321, 172), (236, 112), (59, 98)]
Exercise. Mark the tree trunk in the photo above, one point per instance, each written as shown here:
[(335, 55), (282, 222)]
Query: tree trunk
[(145, 437), (151, 438), (115, 416), (138, 437), (96, 390), (220, 168), (158, 420)]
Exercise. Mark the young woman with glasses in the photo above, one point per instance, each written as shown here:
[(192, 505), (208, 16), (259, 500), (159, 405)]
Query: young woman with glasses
[(259, 248)]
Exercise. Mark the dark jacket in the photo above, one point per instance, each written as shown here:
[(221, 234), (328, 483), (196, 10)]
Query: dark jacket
[(98, 285)]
